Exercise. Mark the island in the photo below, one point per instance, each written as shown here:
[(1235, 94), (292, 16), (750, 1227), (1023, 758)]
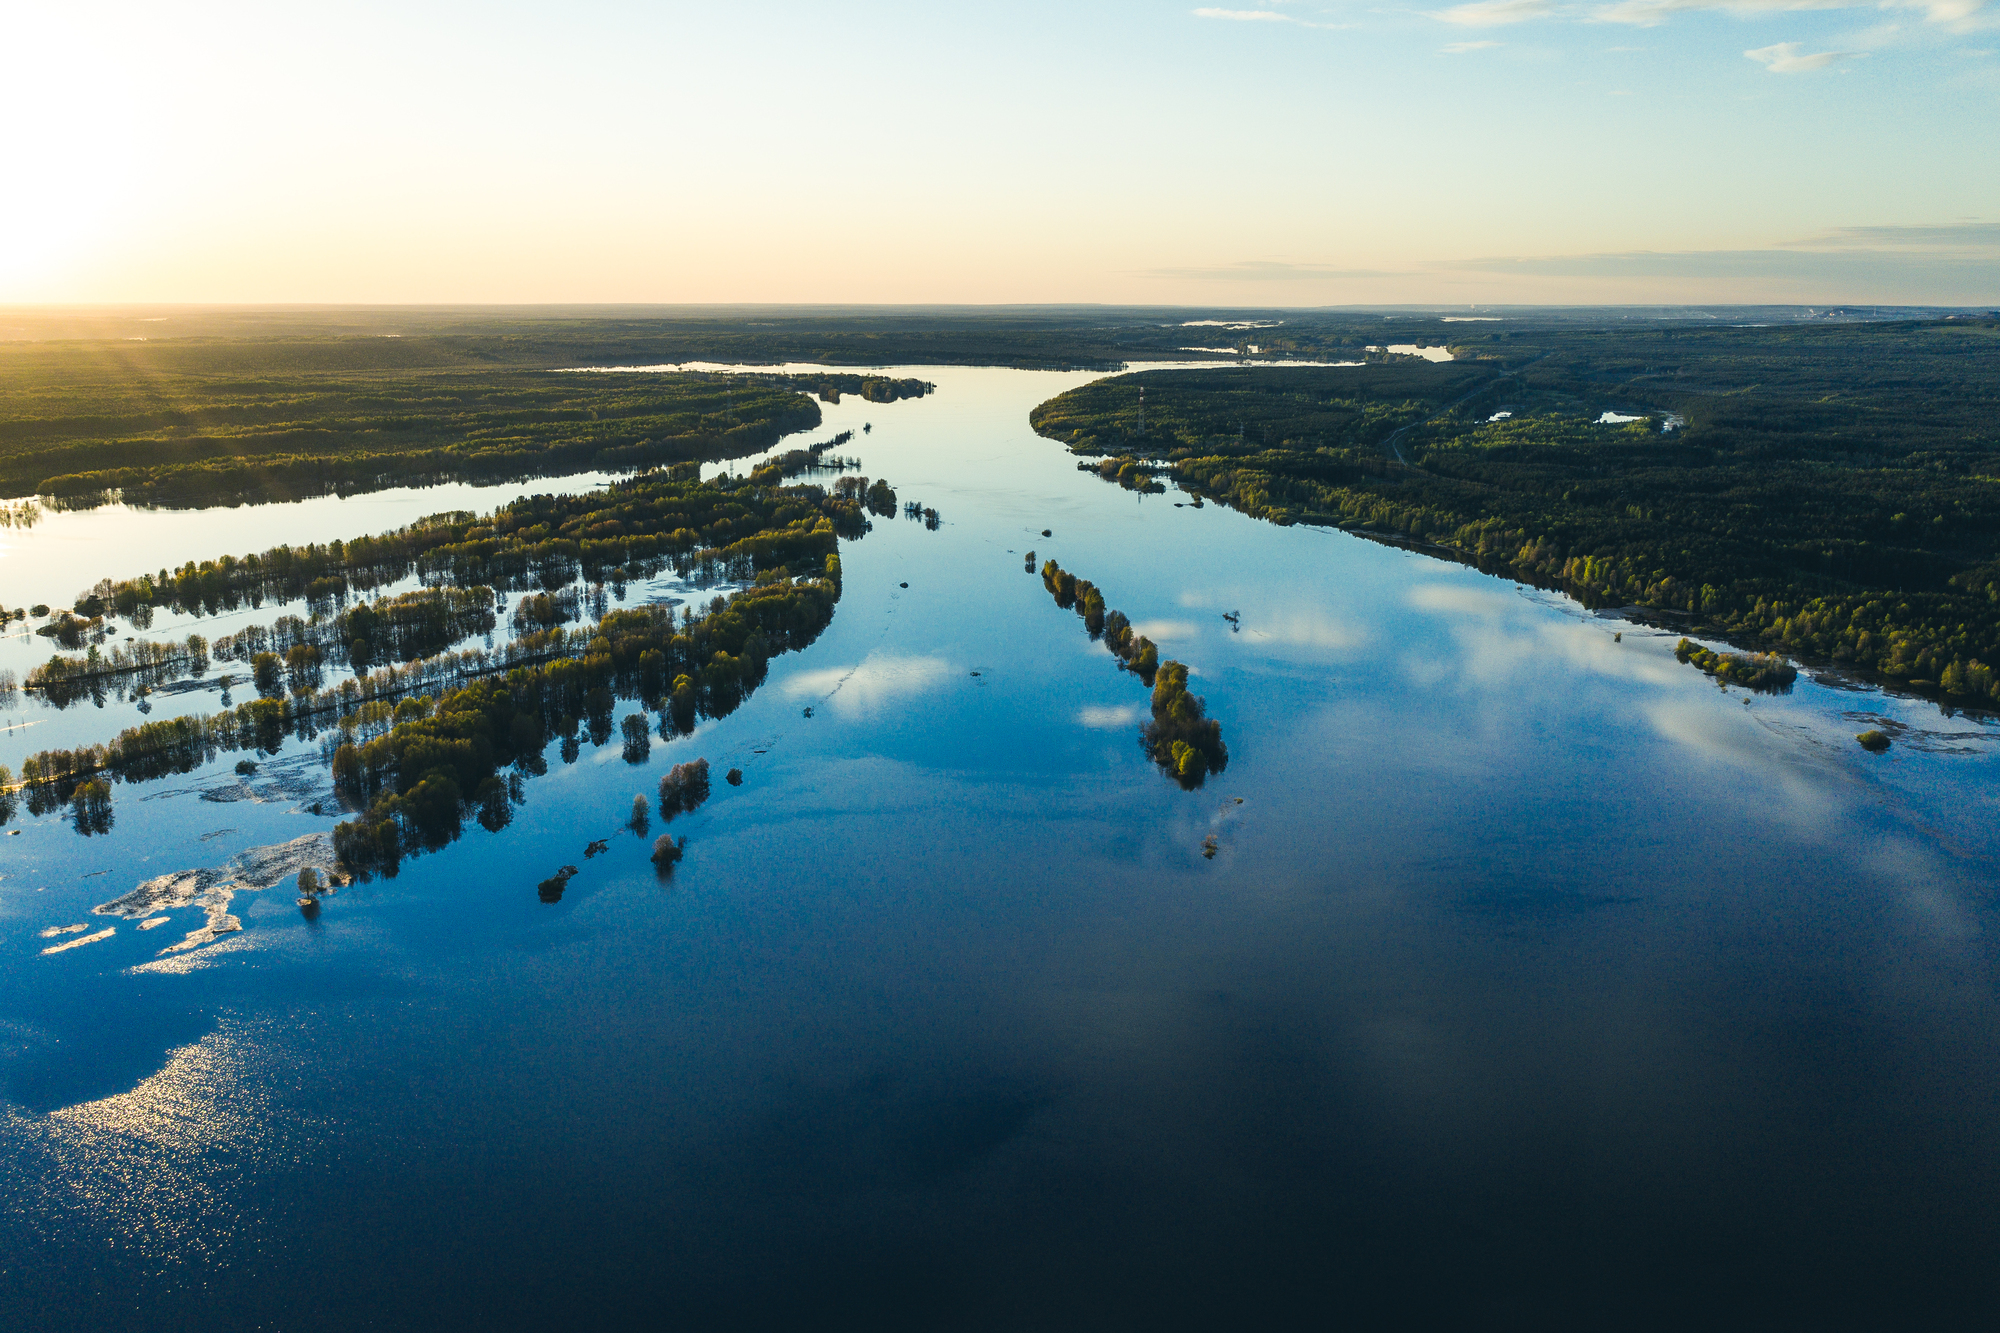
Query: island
[(1182, 739)]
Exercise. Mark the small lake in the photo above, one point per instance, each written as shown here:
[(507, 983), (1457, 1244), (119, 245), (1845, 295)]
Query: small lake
[(1533, 974)]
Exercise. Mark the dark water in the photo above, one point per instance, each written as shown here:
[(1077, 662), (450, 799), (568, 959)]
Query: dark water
[(1536, 980)]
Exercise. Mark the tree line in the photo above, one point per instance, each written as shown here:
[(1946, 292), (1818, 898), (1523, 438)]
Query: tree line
[(1822, 491), (685, 665), (1181, 738), (634, 528)]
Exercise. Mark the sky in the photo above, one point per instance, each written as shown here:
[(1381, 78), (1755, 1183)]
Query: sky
[(1278, 154)]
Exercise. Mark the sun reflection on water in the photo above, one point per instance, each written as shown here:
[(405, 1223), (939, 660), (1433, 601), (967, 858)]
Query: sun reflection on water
[(165, 1168)]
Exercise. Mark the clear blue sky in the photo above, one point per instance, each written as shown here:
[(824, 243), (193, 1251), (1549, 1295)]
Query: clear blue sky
[(1288, 153)]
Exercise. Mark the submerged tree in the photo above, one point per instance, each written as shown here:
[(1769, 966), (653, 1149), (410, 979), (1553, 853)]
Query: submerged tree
[(495, 808), (882, 500), (1181, 739), (638, 738), (684, 788), (267, 672), (302, 667), (640, 819), (1135, 652), (92, 803), (667, 851), (551, 889)]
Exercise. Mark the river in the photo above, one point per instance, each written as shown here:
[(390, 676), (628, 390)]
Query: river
[(1534, 976)]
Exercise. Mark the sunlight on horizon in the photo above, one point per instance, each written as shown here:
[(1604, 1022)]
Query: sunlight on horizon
[(1136, 152)]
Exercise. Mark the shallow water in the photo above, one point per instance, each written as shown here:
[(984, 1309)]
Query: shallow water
[(1534, 974)]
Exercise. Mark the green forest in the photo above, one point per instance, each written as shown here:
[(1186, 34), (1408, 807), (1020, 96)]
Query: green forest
[(170, 426), (1826, 490), (419, 744)]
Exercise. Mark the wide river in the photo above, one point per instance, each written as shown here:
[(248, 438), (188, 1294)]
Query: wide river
[(1534, 979)]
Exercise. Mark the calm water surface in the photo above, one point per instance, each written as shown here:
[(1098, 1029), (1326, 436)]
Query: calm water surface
[(1536, 979)]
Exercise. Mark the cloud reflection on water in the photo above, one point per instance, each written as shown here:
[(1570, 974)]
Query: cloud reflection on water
[(1107, 718), (870, 685)]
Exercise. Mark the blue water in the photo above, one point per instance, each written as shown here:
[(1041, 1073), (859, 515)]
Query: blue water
[(1535, 979)]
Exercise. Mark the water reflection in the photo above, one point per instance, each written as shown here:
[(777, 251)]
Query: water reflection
[(881, 681), (1530, 956)]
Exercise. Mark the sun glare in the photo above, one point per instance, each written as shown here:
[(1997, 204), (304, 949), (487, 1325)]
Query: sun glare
[(76, 157)]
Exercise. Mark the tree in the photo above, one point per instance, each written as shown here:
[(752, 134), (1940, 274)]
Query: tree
[(638, 738), (265, 672), (684, 788), (92, 802)]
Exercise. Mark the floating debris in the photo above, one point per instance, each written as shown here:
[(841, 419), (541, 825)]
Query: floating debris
[(600, 845), (1208, 847), (1875, 742), (734, 777)]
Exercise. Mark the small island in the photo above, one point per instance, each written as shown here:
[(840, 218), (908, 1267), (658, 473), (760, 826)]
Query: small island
[(1182, 739), (1753, 671)]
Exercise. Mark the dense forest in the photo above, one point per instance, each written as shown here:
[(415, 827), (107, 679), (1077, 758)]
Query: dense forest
[(418, 745), (1039, 337), (1830, 490), (165, 428)]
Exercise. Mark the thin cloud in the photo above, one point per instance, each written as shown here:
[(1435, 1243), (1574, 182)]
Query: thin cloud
[(1954, 15), (1263, 16), (1460, 48), (1943, 236), (1785, 58), (1957, 15), (1958, 276), (1652, 13), (1493, 13), (1262, 270)]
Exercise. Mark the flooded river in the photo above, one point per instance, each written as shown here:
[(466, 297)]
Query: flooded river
[(1533, 974)]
